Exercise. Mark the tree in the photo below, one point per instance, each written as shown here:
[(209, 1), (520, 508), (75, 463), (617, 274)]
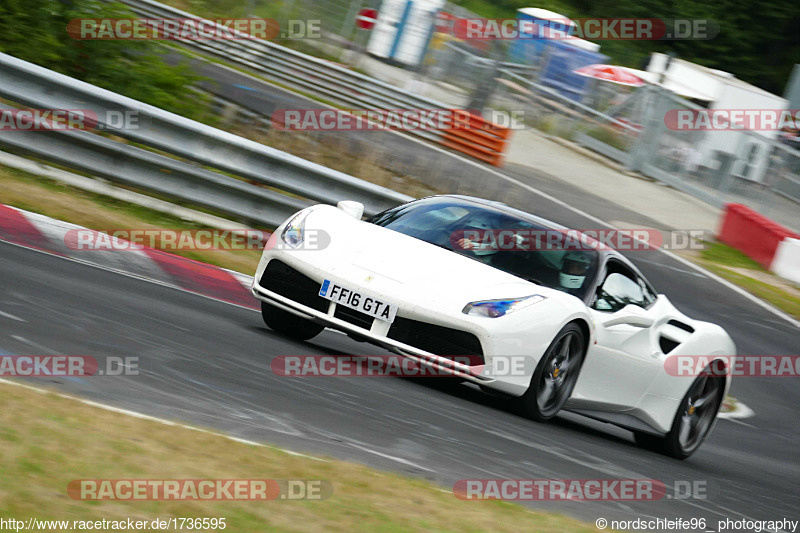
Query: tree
[(36, 31), (758, 42)]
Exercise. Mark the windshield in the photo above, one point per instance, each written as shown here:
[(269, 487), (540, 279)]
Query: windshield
[(497, 238)]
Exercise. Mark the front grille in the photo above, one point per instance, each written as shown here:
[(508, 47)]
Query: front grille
[(357, 318), (439, 340), (447, 342), (281, 278)]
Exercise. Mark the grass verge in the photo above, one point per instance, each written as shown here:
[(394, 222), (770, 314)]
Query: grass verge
[(736, 267), (63, 202), (48, 441)]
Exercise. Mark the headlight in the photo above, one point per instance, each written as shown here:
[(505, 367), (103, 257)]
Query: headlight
[(498, 308), (294, 232)]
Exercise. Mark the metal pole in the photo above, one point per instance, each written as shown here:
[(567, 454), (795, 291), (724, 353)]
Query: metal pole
[(485, 88), (350, 19), (349, 26)]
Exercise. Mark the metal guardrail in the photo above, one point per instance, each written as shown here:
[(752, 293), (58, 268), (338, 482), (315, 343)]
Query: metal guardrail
[(34, 86), (38, 87), (136, 167), (312, 75)]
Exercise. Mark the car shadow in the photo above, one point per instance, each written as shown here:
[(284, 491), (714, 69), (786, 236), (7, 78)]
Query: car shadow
[(457, 388)]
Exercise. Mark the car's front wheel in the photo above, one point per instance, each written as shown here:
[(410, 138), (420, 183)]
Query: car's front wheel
[(555, 375), (693, 420), (288, 324)]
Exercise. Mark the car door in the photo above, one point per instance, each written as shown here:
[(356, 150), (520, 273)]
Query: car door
[(623, 362)]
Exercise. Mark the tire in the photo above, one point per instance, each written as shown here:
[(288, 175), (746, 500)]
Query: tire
[(693, 421), (288, 324), (555, 376)]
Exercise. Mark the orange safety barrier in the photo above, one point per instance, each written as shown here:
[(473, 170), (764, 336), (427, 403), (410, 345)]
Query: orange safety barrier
[(475, 136)]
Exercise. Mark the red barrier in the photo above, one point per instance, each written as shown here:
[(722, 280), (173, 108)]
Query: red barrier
[(752, 233)]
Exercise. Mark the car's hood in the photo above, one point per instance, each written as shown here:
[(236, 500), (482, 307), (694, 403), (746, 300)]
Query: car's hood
[(391, 262)]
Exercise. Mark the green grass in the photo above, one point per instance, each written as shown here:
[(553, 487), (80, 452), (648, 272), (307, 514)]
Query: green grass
[(720, 259), (56, 440), (778, 297), (144, 214), (723, 254), (95, 211)]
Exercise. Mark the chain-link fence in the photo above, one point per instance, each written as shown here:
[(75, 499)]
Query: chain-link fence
[(337, 16), (783, 173), (629, 126), (341, 37), (718, 166), (622, 123), (550, 112)]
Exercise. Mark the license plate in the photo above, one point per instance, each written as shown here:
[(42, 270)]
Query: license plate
[(369, 305)]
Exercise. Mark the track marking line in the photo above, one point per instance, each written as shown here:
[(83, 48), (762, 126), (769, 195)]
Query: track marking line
[(164, 421), (12, 317)]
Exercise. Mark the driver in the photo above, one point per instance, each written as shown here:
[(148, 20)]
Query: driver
[(489, 251), (574, 268), (482, 224)]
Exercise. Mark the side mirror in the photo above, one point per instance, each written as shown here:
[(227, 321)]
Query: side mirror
[(354, 209), (631, 315)]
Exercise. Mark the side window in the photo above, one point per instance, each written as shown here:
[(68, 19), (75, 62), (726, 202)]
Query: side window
[(620, 288)]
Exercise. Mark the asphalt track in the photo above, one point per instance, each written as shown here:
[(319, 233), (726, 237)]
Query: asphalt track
[(208, 363)]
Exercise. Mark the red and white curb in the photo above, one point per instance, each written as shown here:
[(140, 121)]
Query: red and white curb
[(46, 234)]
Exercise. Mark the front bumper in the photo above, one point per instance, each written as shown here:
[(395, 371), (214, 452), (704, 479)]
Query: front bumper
[(290, 289)]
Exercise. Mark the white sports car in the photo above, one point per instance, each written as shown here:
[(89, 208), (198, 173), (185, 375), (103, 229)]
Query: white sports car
[(419, 280)]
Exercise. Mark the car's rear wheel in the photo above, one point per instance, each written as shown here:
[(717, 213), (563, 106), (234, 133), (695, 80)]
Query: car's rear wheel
[(288, 324), (555, 376), (693, 420)]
